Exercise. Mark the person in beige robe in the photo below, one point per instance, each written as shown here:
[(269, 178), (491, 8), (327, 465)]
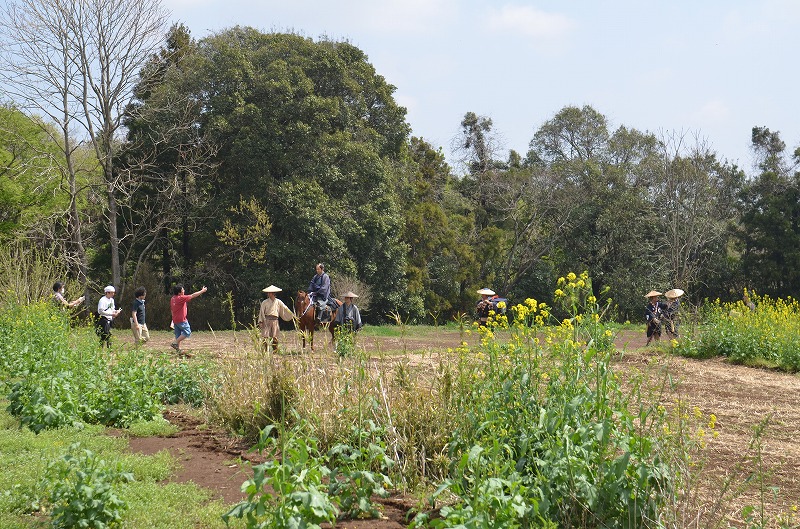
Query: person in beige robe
[(271, 309)]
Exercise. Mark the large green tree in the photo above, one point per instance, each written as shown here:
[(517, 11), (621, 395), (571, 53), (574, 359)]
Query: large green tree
[(306, 137), (612, 229), (438, 221), (30, 201), (770, 224)]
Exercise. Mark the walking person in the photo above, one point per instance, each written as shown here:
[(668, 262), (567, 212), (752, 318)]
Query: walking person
[(106, 312), (271, 309), (346, 323), (484, 306), (653, 312), (348, 314), (178, 306), (671, 312), (138, 320)]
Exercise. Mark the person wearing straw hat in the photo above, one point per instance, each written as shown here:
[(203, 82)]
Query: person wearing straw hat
[(653, 312), (271, 309), (484, 306), (671, 309), (348, 314)]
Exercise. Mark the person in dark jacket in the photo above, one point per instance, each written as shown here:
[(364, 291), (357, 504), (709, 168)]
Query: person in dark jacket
[(653, 312), (484, 306), (319, 290)]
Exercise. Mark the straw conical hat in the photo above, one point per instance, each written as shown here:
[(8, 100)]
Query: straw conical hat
[(486, 292), (674, 293), (349, 294), (272, 288), (653, 294)]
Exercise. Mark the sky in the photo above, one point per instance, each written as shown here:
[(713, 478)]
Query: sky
[(705, 70)]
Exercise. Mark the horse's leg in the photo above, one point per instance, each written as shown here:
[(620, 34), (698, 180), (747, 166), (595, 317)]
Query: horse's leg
[(302, 330)]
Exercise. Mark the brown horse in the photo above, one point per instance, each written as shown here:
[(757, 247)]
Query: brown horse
[(308, 322)]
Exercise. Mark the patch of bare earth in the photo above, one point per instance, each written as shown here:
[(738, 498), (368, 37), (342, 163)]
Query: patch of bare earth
[(740, 397)]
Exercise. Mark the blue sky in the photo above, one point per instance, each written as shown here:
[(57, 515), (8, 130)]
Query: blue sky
[(708, 69)]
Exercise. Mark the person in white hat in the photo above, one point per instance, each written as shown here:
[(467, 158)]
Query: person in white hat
[(653, 312), (271, 309), (106, 312), (484, 306), (671, 309), (348, 314)]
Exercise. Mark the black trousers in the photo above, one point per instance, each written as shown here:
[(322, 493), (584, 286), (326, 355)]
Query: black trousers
[(103, 329)]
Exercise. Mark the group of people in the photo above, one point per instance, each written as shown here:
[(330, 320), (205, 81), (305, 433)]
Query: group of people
[(319, 291), (107, 311), (271, 309), (662, 316)]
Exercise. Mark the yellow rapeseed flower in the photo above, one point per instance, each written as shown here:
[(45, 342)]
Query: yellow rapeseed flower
[(571, 276)]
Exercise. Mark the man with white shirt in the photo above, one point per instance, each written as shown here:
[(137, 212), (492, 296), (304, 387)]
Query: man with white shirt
[(106, 312)]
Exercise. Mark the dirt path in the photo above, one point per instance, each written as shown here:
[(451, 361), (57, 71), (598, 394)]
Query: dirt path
[(740, 397)]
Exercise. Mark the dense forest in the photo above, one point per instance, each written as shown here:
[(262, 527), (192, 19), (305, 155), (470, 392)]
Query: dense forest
[(242, 159)]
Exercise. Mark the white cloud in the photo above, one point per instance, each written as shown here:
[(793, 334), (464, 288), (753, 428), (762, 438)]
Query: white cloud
[(531, 23)]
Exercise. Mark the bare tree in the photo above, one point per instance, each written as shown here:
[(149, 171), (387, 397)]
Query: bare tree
[(695, 195), (76, 62)]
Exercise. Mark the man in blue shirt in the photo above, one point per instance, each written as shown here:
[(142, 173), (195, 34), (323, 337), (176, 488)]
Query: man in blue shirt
[(138, 319), (319, 290)]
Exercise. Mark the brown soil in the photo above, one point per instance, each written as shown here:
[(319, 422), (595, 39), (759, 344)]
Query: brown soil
[(740, 397)]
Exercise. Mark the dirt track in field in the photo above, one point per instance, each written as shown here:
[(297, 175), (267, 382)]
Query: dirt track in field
[(740, 397)]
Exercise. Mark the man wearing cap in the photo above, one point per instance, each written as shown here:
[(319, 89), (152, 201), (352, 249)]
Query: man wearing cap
[(348, 314), (106, 313), (271, 309), (671, 309), (484, 306), (653, 312)]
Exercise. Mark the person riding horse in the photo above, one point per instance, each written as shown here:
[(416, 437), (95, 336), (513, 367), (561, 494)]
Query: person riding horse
[(320, 292)]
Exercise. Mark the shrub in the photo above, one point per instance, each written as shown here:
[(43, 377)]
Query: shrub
[(546, 437), (80, 490), (766, 334), (57, 376)]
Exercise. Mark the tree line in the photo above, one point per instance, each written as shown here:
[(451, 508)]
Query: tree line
[(244, 158)]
